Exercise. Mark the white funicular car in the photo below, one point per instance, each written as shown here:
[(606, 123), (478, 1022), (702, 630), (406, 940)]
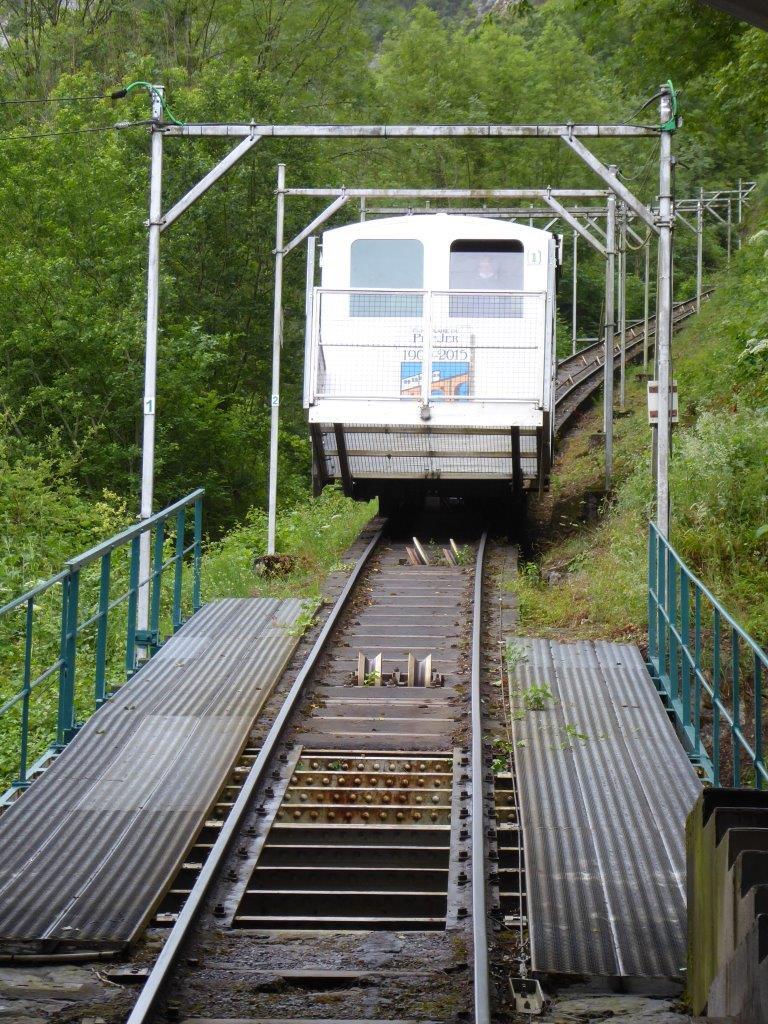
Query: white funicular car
[(430, 359)]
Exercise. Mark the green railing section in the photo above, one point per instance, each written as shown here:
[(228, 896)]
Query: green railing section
[(708, 669), (80, 628)]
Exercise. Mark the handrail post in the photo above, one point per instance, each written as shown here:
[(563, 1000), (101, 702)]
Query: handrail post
[(101, 633), (66, 716), (685, 636), (758, 683), (653, 650), (716, 697), (197, 552), (62, 661), (697, 671), (157, 580), (674, 680), (21, 782), (736, 712), (661, 590), (133, 587), (178, 569)]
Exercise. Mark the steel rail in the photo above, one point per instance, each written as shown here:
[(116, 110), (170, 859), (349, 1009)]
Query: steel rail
[(592, 368), (479, 908), (564, 363), (181, 929)]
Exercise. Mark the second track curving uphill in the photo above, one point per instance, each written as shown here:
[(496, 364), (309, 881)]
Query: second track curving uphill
[(579, 376)]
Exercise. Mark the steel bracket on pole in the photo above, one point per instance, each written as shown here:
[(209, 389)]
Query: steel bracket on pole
[(568, 217), (210, 178), (612, 180), (321, 218), (691, 227), (714, 213)]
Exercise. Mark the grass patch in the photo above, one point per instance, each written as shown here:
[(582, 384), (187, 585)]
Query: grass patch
[(588, 580), (315, 532)]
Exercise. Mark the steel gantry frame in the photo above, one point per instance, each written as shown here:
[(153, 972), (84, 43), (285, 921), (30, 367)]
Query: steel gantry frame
[(249, 134), (340, 195), (720, 203)]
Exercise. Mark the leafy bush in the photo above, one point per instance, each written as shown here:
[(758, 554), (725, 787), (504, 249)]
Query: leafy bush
[(718, 478), (316, 531)]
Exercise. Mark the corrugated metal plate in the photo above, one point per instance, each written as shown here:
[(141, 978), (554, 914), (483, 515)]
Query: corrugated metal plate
[(603, 817), (87, 853)]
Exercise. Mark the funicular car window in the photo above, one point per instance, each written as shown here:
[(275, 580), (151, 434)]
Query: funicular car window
[(386, 263), (486, 266)]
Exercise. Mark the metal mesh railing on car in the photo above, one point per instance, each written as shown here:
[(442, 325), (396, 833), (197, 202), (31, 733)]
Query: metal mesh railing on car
[(478, 346)]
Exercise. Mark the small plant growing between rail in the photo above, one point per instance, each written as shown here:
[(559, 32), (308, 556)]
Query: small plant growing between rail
[(304, 620), (465, 555), (371, 679), (572, 734), (503, 748), (342, 567), (537, 697), (515, 653)]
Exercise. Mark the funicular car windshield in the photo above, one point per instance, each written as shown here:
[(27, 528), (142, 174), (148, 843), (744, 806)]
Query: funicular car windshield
[(396, 263), (486, 266)]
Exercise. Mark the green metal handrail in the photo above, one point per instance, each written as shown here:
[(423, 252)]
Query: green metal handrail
[(71, 627), (698, 676)]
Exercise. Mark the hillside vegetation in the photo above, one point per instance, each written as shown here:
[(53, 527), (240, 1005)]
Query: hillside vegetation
[(591, 582), (74, 197)]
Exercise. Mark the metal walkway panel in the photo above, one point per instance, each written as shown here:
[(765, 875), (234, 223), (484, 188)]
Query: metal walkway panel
[(87, 853), (605, 788)]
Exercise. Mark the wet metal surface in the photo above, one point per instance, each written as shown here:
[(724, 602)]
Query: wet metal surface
[(87, 853), (605, 788), (401, 610), (358, 841), (347, 888)]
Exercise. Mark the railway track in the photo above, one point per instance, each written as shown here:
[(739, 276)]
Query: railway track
[(580, 375), (365, 854), (347, 860)]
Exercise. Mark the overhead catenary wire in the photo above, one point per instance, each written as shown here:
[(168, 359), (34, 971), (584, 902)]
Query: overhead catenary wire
[(116, 94), (120, 126), (153, 91), (641, 108), (54, 99)]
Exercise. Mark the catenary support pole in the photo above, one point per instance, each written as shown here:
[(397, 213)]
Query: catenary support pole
[(664, 322), (623, 305), (646, 300), (362, 209), (309, 291), (699, 247), (574, 315), (277, 340), (150, 359), (730, 229), (739, 211), (610, 289)]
